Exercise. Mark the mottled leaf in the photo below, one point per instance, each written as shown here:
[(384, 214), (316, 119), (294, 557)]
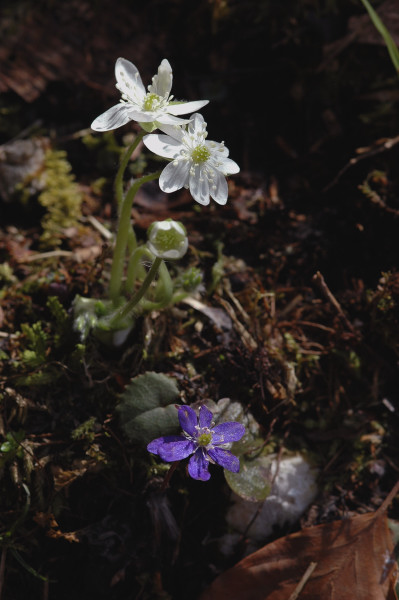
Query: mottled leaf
[(252, 482), (147, 409)]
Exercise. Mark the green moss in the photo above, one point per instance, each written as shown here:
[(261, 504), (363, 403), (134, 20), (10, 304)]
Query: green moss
[(85, 431), (61, 198), (6, 273), (37, 338)]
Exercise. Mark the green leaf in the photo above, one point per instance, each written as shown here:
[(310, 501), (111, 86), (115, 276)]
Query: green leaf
[(147, 409), (252, 482), (379, 25), (152, 424)]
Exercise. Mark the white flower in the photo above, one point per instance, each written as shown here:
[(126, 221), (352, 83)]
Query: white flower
[(196, 164), (150, 109)]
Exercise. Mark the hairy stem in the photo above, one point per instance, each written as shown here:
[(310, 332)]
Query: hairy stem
[(135, 299), (123, 164), (122, 237)]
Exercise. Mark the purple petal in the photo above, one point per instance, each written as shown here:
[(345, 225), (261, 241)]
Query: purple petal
[(176, 450), (188, 419), (198, 466), (154, 445), (205, 416), (172, 447), (225, 459), (227, 432)]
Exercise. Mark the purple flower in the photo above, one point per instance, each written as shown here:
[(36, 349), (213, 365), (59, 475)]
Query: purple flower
[(201, 439)]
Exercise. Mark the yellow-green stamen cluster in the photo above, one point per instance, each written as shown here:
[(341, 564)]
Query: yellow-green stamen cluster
[(200, 154), (152, 102), (204, 439), (168, 240)]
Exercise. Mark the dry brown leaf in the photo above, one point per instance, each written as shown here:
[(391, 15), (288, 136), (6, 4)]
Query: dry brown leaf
[(63, 478), (352, 556), (48, 522)]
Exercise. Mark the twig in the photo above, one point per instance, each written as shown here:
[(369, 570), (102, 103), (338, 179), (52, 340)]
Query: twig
[(303, 581), (43, 255), (319, 279), (246, 337), (387, 145), (100, 227)]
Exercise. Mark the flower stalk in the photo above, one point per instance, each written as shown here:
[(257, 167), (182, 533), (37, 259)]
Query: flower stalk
[(127, 309), (122, 237), (123, 164)]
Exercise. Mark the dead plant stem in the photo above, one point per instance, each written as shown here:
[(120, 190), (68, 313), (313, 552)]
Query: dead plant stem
[(302, 583)]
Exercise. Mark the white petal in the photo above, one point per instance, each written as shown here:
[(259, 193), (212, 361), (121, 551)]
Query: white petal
[(143, 116), (183, 108), (129, 80), (163, 145), (220, 192), (196, 124), (228, 166), (174, 176), (166, 119), (217, 148), (174, 131), (162, 82), (199, 186), (114, 117)]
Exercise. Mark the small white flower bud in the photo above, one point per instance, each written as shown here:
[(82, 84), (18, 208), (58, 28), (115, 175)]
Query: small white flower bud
[(167, 239)]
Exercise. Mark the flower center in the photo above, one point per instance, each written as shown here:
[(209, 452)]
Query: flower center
[(152, 102), (168, 240), (204, 439), (200, 154)]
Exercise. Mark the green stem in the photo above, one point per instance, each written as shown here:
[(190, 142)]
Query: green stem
[(135, 269), (135, 299), (163, 292), (123, 164), (178, 297), (122, 236)]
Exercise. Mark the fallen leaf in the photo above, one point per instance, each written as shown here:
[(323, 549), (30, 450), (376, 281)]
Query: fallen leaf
[(48, 522), (352, 559), (217, 315)]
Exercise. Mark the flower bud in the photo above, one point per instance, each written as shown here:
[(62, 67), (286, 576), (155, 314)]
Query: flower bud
[(191, 280), (167, 239)]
